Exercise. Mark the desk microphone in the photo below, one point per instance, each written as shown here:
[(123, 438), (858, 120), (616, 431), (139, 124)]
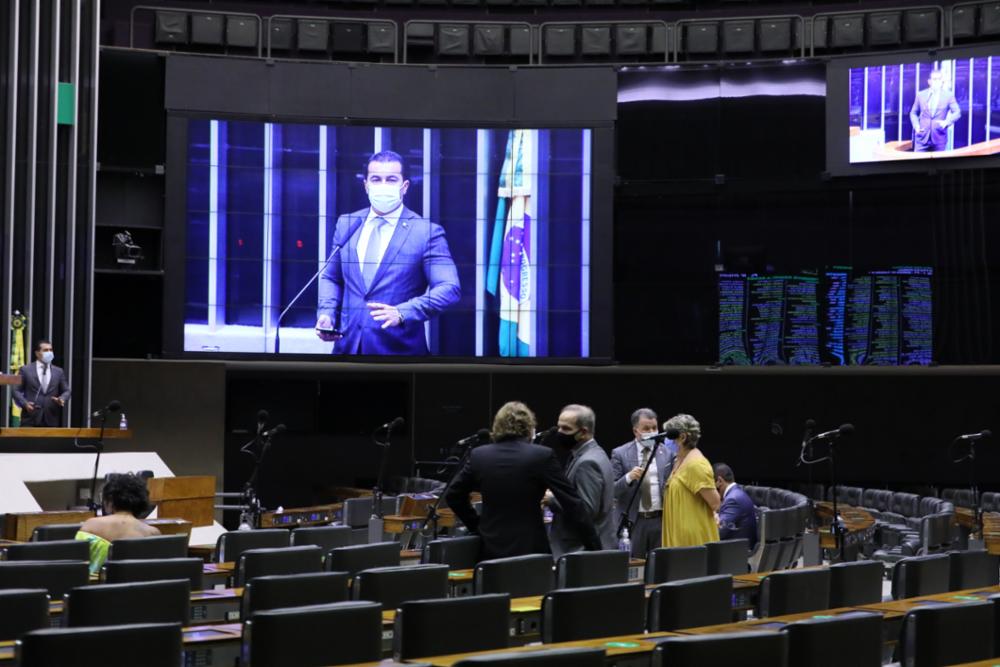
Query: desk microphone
[(113, 406)]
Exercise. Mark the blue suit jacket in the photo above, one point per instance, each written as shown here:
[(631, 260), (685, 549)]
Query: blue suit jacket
[(737, 518), (417, 275), (626, 457)]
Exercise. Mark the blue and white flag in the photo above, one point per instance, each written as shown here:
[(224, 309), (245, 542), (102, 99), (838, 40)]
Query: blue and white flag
[(511, 270)]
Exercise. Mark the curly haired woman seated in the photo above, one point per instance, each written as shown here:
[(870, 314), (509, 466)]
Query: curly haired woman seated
[(124, 499)]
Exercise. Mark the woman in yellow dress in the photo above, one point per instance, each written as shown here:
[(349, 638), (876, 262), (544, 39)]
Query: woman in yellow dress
[(690, 499)]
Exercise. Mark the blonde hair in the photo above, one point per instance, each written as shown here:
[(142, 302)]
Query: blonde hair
[(685, 424), (514, 420)]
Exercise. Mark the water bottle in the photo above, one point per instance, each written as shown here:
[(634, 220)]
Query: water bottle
[(625, 544), (123, 424)]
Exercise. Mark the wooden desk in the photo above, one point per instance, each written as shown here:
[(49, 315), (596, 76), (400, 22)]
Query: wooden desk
[(859, 524), (954, 597), (618, 650), (66, 433), (19, 526)]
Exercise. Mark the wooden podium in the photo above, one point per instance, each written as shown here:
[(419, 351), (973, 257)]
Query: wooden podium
[(9, 379), (46, 433), (190, 498)]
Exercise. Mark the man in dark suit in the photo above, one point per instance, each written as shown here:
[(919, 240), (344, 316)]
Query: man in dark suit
[(43, 390), (589, 470), (737, 517), (512, 474), (394, 271), (627, 463), (934, 110)]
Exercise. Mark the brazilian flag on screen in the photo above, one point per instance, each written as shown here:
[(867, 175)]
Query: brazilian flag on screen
[(510, 274), (18, 325)]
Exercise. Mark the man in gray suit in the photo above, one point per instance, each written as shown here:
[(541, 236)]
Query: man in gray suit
[(43, 390), (627, 463), (589, 470), (934, 110)]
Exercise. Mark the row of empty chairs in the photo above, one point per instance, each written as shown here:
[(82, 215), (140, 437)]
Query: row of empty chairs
[(932, 635), (782, 519), (622, 40)]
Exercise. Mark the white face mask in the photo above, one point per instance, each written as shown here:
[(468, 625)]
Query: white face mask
[(47, 357), (384, 197)]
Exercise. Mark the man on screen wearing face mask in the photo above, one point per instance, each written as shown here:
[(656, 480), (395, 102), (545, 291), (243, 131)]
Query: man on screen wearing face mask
[(393, 273), (43, 390), (589, 470)]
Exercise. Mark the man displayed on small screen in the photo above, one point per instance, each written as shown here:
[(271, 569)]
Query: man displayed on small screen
[(393, 273), (934, 110)]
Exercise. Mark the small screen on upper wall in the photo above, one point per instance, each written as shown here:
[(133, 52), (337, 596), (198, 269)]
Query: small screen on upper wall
[(932, 108), (838, 316), (451, 242)]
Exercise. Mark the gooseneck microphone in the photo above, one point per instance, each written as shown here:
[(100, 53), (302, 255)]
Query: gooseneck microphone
[(985, 433), (840, 431), (113, 406), (481, 436), (669, 434), (352, 230), (393, 425)]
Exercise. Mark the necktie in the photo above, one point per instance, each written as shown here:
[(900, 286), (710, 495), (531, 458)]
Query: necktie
[(372, 252), (933, 104), (45, 378), (647, 492)]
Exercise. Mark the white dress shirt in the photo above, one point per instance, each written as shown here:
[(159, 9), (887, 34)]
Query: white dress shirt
[(653, 475), (44, 375), (391, 219)]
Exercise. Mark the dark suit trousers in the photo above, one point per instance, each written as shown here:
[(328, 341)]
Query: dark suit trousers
[(647, 533)]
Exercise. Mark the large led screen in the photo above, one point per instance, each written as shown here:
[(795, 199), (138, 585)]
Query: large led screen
[(922, 110), (449, 242)]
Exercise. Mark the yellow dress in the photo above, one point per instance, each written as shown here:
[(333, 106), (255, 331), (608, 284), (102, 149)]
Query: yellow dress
[(688, 521)]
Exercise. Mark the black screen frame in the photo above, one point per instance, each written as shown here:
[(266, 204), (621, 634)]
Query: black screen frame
[(539, 98), (838, 119)]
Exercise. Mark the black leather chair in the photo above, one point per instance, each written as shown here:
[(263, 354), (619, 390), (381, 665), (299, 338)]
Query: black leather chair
[(287, 560), (520, 576), (394, 585), (676, 563), (293, 590), (921, 575), (564, 657), (55, 531), (155, 569), (848, 639), (458, 553), (325, 537), (453, 625), (350, 632), (728, 557), (359, 557), (118, 604), (746, 649), (794, 592), (57, 577), (22, 610), (856, 583), (231, 545), (774, 528), (159, 645), (569, 614), (947, 634), (690, 603), (592, 568), (159, 546), (53, 550), (973, 569)]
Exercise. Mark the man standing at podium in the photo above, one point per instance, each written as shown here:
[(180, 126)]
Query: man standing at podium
[(43, 390)]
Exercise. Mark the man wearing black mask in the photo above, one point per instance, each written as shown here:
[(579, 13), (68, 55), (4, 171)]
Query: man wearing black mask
[(589, 470)]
